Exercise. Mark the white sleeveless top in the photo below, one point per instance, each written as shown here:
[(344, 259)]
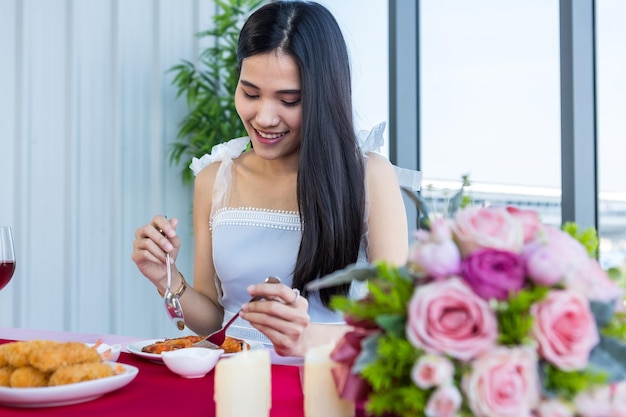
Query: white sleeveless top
[(250, 244)]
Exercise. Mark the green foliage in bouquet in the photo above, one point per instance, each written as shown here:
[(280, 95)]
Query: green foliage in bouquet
[(514, 315), (568, 384), (209, 87), (616, 328), (392, 390), (386, 304)]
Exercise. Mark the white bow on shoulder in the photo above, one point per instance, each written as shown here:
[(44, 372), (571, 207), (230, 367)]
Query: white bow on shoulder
[(223, 151)]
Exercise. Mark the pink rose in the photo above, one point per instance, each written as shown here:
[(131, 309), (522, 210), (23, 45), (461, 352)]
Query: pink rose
[(553, 256), (503, 383), (448, 317), (595, 283), (565, 329), (445, 401), (487, 227), (554, 408), (530, 221), (594, 403), (493, 273), (431, 371), (435, 254)]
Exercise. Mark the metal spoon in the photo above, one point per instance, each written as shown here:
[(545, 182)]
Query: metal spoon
[(172, 303), (215, 339)]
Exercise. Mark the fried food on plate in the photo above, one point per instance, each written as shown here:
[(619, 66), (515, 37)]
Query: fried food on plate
[(171, 344), (233, 345), (3, 356), (28, 377), (80, 372), (230, 345), (50, 358), (43, 363), (5, 376), (16, 354)]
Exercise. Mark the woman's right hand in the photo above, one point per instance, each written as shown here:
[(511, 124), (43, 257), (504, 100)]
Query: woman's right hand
[(151, 243)]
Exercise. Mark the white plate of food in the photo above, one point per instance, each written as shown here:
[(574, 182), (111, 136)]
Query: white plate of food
[(139, 348), (68, 394)]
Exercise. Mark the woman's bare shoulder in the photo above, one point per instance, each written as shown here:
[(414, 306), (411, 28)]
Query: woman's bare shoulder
[(378, 166), (208, 174)]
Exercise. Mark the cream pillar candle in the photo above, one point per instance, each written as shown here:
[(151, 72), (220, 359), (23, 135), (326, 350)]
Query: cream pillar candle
[(243, 385), (320, 392)]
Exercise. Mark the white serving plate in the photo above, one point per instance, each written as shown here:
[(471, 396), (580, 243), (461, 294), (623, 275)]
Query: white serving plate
[(79, 392)]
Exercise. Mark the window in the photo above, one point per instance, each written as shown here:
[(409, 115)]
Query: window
[(611, 129), (490, 100)]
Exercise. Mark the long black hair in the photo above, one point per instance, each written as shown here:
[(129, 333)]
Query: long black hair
[(331, 178)]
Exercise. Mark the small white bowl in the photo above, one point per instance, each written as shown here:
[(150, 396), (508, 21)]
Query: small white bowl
[(191, 362), (108, 352)]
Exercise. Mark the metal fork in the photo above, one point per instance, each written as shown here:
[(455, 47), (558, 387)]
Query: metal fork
[(216, 339)]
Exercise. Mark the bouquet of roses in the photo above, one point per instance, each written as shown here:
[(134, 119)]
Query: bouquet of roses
[(494, 315)]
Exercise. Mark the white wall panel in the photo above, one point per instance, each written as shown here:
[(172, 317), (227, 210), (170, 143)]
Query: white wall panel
[(87, 117), (95, 187), (45, 101), (9, 151)]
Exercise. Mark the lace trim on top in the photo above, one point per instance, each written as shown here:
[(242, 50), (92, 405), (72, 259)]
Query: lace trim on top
[(252, 216)]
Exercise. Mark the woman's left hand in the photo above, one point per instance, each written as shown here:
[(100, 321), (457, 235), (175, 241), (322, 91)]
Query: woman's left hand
[(282, 316)]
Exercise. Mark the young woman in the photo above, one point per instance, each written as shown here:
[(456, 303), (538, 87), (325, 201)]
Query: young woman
[(303, 202)]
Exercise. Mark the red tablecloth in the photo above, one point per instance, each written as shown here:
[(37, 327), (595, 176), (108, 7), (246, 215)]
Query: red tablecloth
[(158, 392)]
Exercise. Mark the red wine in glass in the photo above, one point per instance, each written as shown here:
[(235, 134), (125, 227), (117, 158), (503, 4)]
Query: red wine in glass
[(7, 256), (6, 272)]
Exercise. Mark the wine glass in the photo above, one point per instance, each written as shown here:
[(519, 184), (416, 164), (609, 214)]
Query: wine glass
[(7, 256)]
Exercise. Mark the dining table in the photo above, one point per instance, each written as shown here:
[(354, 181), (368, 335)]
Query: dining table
[(156, 391)]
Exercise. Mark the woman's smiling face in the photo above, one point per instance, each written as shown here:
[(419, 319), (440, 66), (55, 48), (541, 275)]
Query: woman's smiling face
[(268, 100)]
